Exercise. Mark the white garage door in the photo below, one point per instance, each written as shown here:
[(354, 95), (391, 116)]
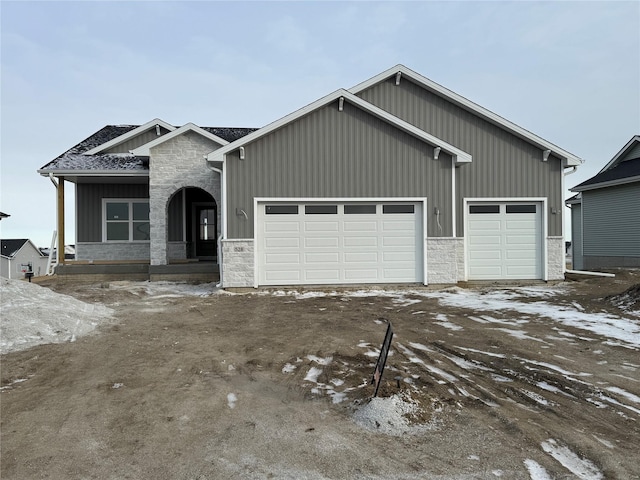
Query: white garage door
[(504, 241), (339, 243)]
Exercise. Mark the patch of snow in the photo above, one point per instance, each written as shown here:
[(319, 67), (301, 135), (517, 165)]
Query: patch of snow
[(606, 443), (624, 393), (34, 315), (313, 374), (536, 471), (288, 368), (115, 386), (320, 361), (231, 400), (390, 416), (580, 467)]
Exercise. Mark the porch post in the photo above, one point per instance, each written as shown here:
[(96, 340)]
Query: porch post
[(60, 204)]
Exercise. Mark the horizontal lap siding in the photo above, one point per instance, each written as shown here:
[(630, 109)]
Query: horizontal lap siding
[(504, 165), (329, 153), (611, 219), (89, 206)]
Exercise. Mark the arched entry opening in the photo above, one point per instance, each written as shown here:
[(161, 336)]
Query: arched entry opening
[(192, 225)]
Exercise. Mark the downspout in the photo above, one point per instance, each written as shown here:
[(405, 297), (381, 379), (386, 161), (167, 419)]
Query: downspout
[(223, 216), (571, 170)]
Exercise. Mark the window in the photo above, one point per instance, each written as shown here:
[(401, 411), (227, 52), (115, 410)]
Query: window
[(395, 208), (281, 209), (484, 208), (359, 209), (126, 220), (321, 209), (521, 209)]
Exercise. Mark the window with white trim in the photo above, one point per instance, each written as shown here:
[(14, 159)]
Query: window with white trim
[(125, 220)]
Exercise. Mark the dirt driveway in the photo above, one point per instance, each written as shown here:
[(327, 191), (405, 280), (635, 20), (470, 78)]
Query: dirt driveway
[(482, 382)]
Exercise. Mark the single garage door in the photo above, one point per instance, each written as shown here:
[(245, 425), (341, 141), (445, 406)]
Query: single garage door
[(314, 243), (504, 241)]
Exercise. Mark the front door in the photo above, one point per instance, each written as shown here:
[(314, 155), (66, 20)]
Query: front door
[(206, 230)]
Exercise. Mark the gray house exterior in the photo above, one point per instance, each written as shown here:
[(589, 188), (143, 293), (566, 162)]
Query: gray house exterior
[(396, 180), (605, 214)]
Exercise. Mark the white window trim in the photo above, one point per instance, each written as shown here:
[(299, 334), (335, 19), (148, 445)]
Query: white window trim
[(130, 201)]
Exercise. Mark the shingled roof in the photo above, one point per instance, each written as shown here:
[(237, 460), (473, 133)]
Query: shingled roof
[(75, 159), (9, 248)]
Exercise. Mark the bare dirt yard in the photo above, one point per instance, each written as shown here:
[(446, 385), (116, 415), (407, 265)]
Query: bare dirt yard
[(486, 381)]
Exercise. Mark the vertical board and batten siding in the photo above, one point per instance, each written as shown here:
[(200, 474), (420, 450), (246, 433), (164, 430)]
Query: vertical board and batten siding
[(137, 141), (576, 237), (611, 221), (504, 165), (333, 154), (89, 205)]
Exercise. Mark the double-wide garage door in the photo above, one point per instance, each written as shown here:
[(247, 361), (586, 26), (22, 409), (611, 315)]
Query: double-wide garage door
[(504, 241), (339, 243)]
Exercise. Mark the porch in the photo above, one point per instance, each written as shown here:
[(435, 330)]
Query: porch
[(100, 271)]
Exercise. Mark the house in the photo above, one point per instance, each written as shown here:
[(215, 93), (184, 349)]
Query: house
[(20, 256), (396, 180), (605, 214)]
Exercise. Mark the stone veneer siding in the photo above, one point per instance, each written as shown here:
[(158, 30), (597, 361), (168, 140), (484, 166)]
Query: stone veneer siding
[(555, 258), (175, 164), (238, 267), (445, 260), (112, 251)]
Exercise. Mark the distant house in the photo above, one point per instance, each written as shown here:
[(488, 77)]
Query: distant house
[(605, 213), (396, 180), (20, 255)]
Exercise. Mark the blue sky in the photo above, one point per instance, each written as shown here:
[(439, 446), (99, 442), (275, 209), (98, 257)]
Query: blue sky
[(567, 71)]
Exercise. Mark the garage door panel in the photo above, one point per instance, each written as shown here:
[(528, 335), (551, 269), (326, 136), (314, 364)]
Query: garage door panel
[(360, 257), (319, 257), (279, 227), (487, 240), (321, 242), (320, 226), (322, 275), (397, 256), (282, 258), (359, 241), (282, 275), (353, 226), (282, 242), (352, 245), (364, 275)]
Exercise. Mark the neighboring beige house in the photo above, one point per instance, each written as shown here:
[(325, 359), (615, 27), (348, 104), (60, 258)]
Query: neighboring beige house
[(20, 255)]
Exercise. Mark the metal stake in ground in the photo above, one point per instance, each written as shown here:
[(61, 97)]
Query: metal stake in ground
[(382, 359)]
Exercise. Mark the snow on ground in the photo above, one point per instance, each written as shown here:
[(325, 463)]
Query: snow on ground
[(33, 315)]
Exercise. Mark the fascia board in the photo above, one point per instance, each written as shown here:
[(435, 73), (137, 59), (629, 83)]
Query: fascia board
[(128, 135), (94, 173), (611, 183), (569, 159), (144, 150), (621, 153), (459, 155)]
